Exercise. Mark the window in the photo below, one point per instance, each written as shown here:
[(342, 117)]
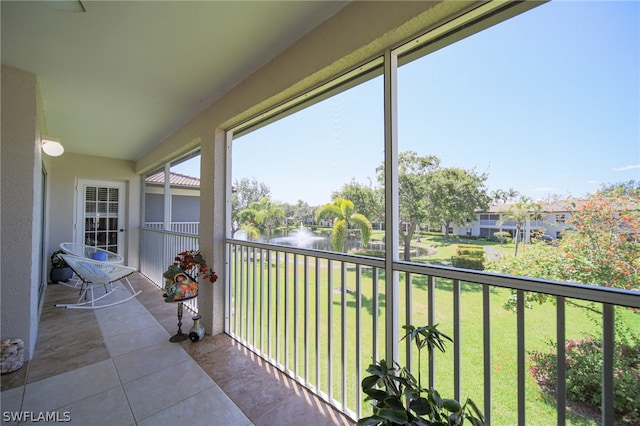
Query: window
[(329, 147)]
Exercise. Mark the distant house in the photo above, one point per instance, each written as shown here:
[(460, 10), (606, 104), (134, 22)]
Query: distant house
[(185, 202), (551, 222)]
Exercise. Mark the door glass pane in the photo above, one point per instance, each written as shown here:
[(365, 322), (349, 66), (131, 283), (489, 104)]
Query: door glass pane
[(101, 217)]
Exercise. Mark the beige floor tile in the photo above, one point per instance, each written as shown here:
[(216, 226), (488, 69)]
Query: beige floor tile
[(151, 359), (116, 365), (62, 359), (131, 341), (208, 407), (301, 405), (11, 400), (158, 391), (128, 317), (108, 408), (67, 388)]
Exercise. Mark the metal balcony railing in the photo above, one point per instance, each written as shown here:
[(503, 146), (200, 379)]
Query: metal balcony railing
[(320, 317), (158, 249), (181, 227)]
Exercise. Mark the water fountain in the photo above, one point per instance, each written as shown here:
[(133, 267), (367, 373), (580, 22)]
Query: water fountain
[(302, 238)]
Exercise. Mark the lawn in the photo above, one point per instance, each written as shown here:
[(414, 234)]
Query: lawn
[(295, 340)]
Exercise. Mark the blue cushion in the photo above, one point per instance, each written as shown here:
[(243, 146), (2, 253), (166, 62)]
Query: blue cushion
[(99, 255)]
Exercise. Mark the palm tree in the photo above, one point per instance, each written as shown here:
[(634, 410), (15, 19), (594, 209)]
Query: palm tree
[(497, 196), (518, 213), (344, 215), (262, 215), (510, 195)]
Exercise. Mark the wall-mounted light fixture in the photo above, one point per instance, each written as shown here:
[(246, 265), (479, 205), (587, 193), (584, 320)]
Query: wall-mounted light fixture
[(52, 147)]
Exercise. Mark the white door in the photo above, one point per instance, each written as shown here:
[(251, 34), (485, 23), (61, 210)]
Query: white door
[(100, 220)]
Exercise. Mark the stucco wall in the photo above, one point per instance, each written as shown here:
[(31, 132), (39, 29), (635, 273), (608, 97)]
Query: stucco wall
[(64, 172), (21, 212)]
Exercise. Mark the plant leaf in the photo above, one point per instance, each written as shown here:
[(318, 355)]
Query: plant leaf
[(369, 382), (421, 406), (475, 409), (376, 394), (395, 416), (451, 405), (369, 421), (394, 403)]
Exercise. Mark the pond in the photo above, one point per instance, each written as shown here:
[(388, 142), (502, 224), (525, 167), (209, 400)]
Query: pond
[(305, 238)]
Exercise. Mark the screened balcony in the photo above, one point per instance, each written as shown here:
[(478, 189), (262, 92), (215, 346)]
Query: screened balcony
[(320, 318)]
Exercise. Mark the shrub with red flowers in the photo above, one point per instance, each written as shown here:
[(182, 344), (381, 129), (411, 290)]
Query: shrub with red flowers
[(584, 375), (193, 264)]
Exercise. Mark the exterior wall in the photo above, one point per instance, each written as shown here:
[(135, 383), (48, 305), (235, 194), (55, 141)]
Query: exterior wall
[(64, 172), (21, 207), (185, 204), (185, 209), (549, 223), (153, 207)]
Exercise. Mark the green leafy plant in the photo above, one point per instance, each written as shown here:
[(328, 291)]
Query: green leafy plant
[(399, 399), (584, 375), (57, 261)]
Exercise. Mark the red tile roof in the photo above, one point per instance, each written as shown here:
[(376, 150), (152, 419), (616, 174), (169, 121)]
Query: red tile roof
[(175, 179)]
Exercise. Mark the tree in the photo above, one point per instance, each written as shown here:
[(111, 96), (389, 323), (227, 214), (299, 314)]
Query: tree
[(245, 191), (630, 188), (261, 215), (500, 196), (366, 199), (413, 172), (454, 196), (497, 196), (302, 212), (510, 195), (519, 213), (601, 245), (344, 215)]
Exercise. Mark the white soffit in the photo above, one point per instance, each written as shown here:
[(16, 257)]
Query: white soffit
[(118, 78)]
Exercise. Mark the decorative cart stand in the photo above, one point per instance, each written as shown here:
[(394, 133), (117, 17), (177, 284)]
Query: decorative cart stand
[(180, 286)]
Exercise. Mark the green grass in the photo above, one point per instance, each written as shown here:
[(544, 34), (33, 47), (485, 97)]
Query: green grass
[(287, 323)]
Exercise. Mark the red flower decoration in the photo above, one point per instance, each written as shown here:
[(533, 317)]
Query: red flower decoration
[(192, 263)]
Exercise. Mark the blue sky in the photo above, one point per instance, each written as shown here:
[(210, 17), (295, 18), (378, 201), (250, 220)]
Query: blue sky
[(546, 103)]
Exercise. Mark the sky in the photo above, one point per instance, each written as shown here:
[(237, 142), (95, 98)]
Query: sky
[(545, 103)]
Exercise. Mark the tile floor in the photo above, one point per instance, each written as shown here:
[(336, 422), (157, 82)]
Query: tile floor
[(115, 366)]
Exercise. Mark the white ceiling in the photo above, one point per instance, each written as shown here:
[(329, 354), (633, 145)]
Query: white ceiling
[(118, 78)]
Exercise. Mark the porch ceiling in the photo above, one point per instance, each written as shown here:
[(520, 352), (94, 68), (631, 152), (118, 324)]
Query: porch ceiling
[(117, 79)]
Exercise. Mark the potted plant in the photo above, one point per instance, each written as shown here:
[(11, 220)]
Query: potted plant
[(60, 271), (398, 398), (182, 276)]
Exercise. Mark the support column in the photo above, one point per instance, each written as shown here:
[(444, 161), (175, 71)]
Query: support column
[(392, 212), (213, 200)]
